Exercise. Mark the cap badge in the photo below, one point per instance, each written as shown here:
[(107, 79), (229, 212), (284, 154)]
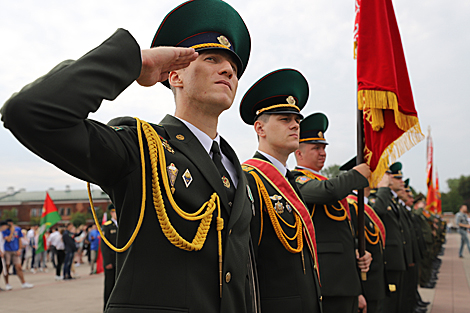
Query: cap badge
[(290, 100), (320, 134), (224, 41)]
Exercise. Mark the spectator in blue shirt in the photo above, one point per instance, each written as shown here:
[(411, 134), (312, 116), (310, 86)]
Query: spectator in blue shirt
[(94, 239), (13, 249)]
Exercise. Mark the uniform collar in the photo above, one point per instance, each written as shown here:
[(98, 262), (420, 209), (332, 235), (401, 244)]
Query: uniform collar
[(306, 168), (281, 168), (203, 138)]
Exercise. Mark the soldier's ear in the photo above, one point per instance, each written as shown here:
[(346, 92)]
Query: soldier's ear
[(175, 79), (259, 128)]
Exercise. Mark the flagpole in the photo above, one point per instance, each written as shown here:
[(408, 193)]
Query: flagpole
[(360, 192)]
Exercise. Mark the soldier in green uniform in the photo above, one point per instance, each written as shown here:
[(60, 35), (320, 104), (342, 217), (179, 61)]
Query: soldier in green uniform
[(183, 233), (109, 256), (282, 231), (330, 213)]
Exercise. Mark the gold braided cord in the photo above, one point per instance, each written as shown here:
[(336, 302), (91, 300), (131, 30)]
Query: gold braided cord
[(210, 45), (336, 218), (142, 206), (156, 151), (377, 232), (275, 222), (277, 106)]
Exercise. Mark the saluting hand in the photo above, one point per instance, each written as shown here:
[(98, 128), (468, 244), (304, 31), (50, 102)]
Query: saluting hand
[(385, 181), (158, 62)]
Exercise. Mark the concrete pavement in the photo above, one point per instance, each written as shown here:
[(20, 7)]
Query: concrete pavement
[(85, 294)]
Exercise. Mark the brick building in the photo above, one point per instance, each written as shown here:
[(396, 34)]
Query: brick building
[(25, 205)]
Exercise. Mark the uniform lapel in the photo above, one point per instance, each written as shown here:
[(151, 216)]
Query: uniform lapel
[(240, 199), (190, 146)]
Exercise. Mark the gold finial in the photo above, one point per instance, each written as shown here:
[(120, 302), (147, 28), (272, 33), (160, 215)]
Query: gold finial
[(224, 41)]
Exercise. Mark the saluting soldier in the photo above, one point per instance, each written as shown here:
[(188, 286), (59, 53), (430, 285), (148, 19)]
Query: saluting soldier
[(374, 289), (184, 233), (282, 231), (109, 256), (330, 213)]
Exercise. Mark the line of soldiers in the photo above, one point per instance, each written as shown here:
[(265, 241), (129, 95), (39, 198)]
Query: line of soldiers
[(199, 231)]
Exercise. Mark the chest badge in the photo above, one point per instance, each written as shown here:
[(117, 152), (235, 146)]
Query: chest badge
[(289, 208), (180, 137), (278, 206), (172, 173), (188, 179)]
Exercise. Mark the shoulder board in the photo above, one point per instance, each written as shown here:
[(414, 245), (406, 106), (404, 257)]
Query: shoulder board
[(246, 168), (108, 223)]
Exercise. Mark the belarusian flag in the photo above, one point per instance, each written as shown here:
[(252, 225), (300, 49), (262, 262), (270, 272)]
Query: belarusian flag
[(49, 217)]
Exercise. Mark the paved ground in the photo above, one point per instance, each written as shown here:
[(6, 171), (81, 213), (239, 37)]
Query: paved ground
[(84, 294)]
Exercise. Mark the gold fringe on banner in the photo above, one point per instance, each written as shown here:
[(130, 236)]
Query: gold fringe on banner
[(377, 100), (393, 152)]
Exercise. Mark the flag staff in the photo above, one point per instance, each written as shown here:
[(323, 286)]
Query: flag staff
[(360, 192)]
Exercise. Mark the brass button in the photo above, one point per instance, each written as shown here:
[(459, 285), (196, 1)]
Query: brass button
[(404, 242), (228, 277), (230, 204), (385, 262), (230, 232), (321, 298)]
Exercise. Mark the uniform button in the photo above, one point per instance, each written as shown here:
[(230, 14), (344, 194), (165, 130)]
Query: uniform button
[(230, 204), (385, 262), (321, 298), (404, 242), (228, 277), (229, 232)]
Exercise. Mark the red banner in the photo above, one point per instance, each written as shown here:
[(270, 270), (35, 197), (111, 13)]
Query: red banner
[(391, 125)]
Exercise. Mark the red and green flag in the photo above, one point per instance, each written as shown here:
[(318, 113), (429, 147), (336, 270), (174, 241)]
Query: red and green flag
[(50, 216), (391, 125)]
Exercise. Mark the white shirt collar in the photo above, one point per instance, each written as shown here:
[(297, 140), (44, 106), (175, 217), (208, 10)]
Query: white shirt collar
[(394, 193), (306, 168), (281, 168), (203, 138)]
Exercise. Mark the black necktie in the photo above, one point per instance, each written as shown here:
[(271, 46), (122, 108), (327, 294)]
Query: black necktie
[(217, 158)]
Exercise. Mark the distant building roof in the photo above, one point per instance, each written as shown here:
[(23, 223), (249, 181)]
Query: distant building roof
[(21, 196)]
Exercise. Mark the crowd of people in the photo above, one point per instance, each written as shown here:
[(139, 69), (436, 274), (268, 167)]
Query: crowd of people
[(67, 248), (265, 238)]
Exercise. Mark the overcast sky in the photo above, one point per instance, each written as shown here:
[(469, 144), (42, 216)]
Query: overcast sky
[(314, 37)]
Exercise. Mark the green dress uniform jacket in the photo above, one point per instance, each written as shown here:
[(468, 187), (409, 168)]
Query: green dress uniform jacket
[(335, 239), (109, 257), (153, 275), (288, 281), (394, 254)]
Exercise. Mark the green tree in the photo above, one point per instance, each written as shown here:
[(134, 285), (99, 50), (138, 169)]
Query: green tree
[(78, 219), (11, 214), (35, 220), (331, 171), (459, 194)]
